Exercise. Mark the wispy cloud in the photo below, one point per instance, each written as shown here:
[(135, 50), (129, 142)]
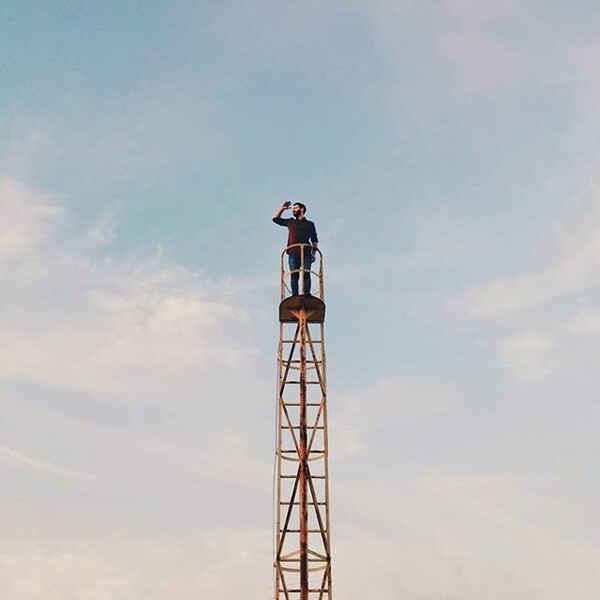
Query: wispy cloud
[(568, 244), (528, 356), (447, 240), (103, 325), (481, 61), (25, 218), (40, 466), (104, 230)]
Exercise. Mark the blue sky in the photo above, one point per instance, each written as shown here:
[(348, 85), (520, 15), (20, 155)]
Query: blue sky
[(448, 153)]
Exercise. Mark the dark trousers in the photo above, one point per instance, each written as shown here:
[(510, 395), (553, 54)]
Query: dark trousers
[(295, 264)]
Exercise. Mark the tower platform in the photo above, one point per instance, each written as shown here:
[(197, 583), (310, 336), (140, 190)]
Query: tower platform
[(314, 309)]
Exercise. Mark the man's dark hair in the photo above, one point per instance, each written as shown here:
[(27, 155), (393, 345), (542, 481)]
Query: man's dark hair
[(302, 206)]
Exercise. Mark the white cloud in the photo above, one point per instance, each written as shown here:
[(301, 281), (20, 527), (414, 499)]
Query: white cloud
[(118, 331), (444, 240), (224, 565), (141, 328), (456, 39), (570, 249), (460, 537), (586, 323), (28, 140), (104, 229), (528, 357), (538, 562), (384, 404), (25, 218), (123, 382)]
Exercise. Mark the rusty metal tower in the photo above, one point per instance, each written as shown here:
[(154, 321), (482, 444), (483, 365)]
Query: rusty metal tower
[(302, 543)]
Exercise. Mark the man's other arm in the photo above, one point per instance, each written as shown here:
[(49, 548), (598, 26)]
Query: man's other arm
[(315, 242)]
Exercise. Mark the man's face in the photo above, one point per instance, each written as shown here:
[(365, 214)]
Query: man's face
[(297, 211)]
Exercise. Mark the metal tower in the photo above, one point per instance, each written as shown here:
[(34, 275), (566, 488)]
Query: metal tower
[(302, 535)]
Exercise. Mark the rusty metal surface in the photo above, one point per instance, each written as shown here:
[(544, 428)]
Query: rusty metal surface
[(314, 309), (302, 536)]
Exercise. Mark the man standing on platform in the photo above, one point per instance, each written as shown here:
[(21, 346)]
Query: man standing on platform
[(300, 231)]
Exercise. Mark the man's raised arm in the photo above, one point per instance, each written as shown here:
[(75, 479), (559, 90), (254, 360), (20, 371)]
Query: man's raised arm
[(277, 216)]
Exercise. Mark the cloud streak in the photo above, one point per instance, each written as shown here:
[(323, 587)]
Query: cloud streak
[(41, 466)]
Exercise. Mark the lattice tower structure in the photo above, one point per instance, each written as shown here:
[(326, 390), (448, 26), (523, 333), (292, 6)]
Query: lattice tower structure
[(302, 543)]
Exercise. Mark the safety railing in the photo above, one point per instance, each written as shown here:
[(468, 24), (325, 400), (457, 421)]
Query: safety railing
[(303, 276)]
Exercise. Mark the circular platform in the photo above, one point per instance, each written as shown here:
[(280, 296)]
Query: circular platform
[(290, 308)]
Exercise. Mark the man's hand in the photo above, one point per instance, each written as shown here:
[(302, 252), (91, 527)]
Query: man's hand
[(281, 209)]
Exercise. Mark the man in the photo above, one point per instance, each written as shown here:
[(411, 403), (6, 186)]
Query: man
[(300, 231)]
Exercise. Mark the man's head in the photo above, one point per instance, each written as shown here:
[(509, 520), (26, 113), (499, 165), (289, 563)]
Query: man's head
[(298, 210)]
